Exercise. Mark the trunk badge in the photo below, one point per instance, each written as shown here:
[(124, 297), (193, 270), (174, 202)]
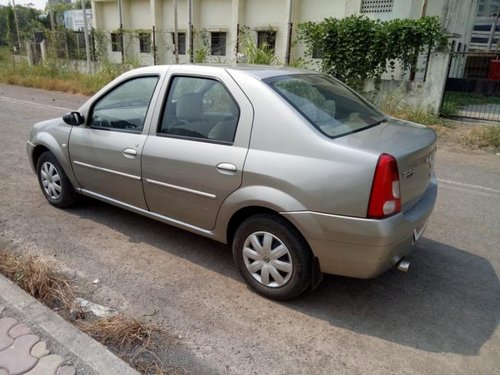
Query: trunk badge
[(408, 173)]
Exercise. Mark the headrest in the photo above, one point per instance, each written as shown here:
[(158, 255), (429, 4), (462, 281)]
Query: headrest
[(189, 106)]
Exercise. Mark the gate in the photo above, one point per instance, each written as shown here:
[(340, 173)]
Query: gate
[(473, 86)]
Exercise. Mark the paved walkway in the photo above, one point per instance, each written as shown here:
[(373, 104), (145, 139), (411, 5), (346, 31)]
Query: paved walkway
[(22, 352), (29, 331)]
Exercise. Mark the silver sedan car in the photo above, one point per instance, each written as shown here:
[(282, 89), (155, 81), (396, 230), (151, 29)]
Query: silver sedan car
[(295, 171)]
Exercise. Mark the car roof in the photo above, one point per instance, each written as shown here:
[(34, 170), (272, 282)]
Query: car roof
[(258, 71)]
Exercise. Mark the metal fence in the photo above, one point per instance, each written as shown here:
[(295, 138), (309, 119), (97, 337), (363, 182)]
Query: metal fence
[(473, 86), (135, 47)]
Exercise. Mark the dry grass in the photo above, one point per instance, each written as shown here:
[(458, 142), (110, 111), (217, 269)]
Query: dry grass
[(43, 280), (483, 137), (57, 76), (133, 340), (121, 332)]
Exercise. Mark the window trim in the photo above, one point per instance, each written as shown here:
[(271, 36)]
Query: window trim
[(164, 107), (100, 97)]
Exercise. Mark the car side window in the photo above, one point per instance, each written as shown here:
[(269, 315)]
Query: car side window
[(199, 108), (125, 107)]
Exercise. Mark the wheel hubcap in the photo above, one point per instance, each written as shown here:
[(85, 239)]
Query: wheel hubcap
[(267, 259), (51, 181)]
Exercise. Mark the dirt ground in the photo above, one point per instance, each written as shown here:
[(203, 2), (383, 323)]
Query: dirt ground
[(440, 318)]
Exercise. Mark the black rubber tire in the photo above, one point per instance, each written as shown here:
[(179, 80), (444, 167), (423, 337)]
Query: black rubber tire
[(297, 247), (68, 196)]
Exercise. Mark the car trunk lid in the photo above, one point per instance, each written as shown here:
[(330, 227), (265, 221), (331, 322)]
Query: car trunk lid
[(411, 144)]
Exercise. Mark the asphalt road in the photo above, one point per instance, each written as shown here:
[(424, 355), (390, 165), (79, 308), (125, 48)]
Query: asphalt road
[(441, 317)]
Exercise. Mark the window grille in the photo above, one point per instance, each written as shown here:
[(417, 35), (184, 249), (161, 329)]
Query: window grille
[(376, 6)]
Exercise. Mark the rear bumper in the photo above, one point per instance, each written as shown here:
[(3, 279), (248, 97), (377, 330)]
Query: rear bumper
[(359, 247)]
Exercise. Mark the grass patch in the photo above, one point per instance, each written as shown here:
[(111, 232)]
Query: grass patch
[(454, 101), (56, 76), (131, 339), (121, 332), (43, 280), (394, 105), (417, 115), (484, 137)]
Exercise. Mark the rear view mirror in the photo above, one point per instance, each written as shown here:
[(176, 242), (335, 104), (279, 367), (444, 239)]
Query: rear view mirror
[(73, 118)]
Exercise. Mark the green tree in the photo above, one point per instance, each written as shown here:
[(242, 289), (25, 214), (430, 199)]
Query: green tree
[(28, 19)]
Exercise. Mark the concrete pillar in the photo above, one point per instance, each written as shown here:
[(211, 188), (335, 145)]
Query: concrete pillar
[(43, 50), (436, 81), (156, 14), (29, 53)]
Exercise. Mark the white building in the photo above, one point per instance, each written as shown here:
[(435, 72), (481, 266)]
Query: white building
[(216, 23), (73, 19), (486, 29)]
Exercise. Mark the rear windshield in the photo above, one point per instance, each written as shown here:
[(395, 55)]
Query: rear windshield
[(329, 105)]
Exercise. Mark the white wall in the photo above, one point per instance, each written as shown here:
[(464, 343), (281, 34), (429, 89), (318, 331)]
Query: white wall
[(225, 15)]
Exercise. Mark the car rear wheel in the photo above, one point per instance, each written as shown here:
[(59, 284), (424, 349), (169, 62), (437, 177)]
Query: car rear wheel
[(54, 183), (272, 256)]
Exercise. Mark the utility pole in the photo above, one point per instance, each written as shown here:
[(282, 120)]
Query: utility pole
[(86, 35), (51, 15), (190, 31), (423, 10), (176, 33), (17, 25), (289, 33), (121, 29)]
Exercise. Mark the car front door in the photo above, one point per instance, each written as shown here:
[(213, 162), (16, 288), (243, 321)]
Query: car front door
[(106, 152), (194, 158)]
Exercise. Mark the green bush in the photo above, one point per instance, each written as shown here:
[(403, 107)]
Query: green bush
[(356, 48)]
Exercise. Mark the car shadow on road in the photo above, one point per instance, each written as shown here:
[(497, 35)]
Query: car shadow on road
[(449, 301)]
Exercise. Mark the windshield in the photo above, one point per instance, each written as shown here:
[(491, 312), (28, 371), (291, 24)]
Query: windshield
[(326, 103)]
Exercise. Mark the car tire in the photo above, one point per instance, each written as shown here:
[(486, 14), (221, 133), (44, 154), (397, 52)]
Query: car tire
[(272, 256), (54, 182)]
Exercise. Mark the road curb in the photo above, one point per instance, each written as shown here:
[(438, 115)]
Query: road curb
[(93, 354)]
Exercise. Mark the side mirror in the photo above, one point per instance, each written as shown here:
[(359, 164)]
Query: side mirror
[(73, 118)]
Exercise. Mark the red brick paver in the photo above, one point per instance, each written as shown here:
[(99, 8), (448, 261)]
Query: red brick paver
[(22, 352)]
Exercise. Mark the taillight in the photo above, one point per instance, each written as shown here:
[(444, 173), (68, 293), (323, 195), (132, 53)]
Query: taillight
[(385, 198)]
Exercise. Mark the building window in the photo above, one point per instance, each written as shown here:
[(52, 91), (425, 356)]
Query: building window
[(479, 40), (376, 6), (267, 39), (116, 42), (181, 48), (218, 44), (482, 27), (145, 42)]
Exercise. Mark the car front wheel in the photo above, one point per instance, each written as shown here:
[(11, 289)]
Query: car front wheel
[(54, 183), (272, 256)]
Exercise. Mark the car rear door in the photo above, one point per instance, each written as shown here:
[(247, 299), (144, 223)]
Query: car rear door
[(194, 156), (106, 152)]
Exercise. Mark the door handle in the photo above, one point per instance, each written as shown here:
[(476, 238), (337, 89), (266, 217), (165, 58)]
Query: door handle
[(129, 153), (226, 168)]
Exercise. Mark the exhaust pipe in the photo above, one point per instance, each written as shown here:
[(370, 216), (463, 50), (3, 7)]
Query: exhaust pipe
[(403, 265)]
